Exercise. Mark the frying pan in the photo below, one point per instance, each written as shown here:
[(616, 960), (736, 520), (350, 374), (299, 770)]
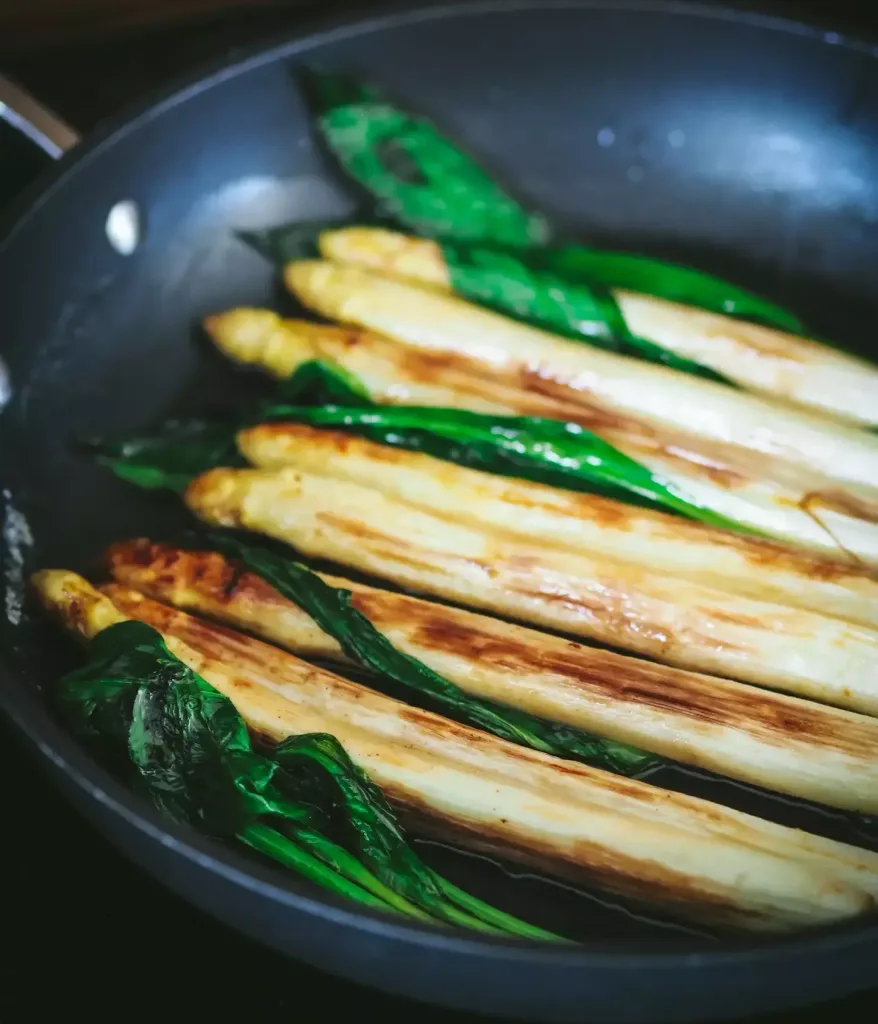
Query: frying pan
[(745, 145)]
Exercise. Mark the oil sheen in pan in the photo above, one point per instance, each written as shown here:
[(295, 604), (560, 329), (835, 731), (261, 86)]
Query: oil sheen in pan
[(590, 916)]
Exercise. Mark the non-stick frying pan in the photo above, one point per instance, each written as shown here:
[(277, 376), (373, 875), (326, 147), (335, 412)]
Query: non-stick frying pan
[(743, 145)]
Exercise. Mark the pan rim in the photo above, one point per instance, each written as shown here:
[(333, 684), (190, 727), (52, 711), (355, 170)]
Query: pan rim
[(33, 720), (321, 31)]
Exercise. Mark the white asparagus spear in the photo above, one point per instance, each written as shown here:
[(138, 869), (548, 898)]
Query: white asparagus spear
[(758, 492), (782, 743), (782, 366), (672, 620), (537, 360), (692, 857), (581, 523)]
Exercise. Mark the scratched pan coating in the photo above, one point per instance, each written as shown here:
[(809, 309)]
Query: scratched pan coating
[(743, 146)]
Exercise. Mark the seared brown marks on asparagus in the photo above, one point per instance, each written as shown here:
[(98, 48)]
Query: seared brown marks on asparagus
[(695, 858), (573, 371), (672, 620), (395, 373), (762, 569), (761, 492), (784, 367), (778, 742)]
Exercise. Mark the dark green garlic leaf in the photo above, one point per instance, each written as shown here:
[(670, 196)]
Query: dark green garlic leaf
[(171, 458), (528, 447), (417, 176), (333, 611), (429, 185), (669, 281), (188, 750), (521, 285)]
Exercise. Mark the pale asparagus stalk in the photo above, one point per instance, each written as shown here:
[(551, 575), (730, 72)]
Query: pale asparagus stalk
[(672, 620), (782, 743), (534, 359), (580, 523), (758, 492), (778, 365), (692, 857)]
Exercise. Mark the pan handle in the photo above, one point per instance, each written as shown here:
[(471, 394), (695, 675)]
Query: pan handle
[(19, 109), (49, 133)]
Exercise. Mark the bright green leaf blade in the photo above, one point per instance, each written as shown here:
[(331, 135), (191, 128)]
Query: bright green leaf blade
[(378, 840), (271, 843), (547, 451), (333, 611), (186, 742), (533, 448), (491, 915), (428, 184), (669, 281), (191, 754), (417, 176), (519, 285), (318, 382), (179, 451), (172, 457)]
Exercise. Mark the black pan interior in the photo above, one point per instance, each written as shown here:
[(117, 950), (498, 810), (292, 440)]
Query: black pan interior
[(735, 145)]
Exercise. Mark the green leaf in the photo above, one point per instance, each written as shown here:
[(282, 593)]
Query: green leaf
[(520, 285), (188, 744), (333, 611), (189, 751), (417, 176), (171, 458), (181, 450), (669, 281), (324, 91), (319, 382), (426, 183), (273, 844), (288, 242), (380, 844), (528, 447)]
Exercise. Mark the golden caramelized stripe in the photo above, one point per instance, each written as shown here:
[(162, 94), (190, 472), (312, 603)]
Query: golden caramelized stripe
[(616, 677), (571, 820), (206, 582), (762, 553), (622, 605), (754, 489), (699, 859)]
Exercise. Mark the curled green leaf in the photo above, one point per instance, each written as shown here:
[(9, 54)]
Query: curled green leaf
[(523, 285), (428, 184), (414, 173), (186, 748), (333, 611)]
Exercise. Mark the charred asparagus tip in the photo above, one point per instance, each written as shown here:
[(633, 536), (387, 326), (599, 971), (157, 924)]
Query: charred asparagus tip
[(215, 497), (73, 600)]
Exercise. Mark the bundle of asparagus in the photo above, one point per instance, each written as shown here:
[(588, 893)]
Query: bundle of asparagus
[(598, 444), (754, 490), (480, 241), (693, 858)]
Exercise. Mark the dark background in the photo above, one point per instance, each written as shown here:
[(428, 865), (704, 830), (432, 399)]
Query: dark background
[(84, 931)]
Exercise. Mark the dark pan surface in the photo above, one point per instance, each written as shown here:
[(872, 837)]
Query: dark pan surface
[(746, 147)]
